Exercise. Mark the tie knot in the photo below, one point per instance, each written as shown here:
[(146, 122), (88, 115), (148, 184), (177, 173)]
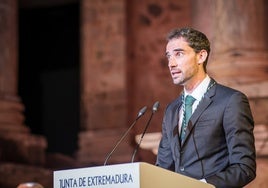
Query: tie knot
[(189, 100)]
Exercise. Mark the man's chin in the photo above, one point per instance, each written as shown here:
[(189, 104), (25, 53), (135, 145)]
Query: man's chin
[(176, 82)]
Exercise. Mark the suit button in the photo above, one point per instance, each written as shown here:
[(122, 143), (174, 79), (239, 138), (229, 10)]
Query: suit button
[(182, 169)]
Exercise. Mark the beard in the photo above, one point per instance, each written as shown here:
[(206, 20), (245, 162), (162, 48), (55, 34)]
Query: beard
[(183, 78)]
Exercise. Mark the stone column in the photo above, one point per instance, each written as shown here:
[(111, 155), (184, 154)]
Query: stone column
[(239, 48), (238, 33), (149, 79), (16, 142), (103, 87)]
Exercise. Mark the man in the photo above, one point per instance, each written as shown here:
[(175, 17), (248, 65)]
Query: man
[(216, 145)]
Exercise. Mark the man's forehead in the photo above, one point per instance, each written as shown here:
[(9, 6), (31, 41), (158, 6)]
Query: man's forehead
[(177, 44)]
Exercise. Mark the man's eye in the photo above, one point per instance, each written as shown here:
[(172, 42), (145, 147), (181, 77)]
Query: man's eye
[(179, 53), (168, 56)]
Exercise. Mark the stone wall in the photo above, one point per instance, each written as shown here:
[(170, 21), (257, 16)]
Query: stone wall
[(123, 68)]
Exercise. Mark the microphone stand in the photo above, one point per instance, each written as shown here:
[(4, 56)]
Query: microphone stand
[(141, 112), (154, 109)]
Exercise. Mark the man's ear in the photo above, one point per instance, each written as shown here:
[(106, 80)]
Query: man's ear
[(203, 54)]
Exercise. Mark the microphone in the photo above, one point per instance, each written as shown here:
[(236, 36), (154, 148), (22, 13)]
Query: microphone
[(154, 109), (141, 112)]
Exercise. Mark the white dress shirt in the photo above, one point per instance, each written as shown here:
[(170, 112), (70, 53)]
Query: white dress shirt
[(198, 94)]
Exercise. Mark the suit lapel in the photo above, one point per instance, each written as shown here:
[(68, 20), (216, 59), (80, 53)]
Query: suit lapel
[(202, 106), (175, 119)]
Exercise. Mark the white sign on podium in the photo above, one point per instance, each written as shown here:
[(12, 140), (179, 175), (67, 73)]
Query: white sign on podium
[(128, 175), (110, 176)]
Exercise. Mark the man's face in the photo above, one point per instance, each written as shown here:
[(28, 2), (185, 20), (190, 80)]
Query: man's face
[(182, 61)]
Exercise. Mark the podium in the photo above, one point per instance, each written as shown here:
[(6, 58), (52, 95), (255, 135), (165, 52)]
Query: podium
[(128, 175)]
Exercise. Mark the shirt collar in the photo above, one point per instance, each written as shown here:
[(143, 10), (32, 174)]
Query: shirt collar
[(201, 89)]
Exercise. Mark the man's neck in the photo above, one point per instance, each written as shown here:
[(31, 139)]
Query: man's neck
[(190, 86)]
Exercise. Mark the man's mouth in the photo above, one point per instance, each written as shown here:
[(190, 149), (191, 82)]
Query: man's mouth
[(175, 72)]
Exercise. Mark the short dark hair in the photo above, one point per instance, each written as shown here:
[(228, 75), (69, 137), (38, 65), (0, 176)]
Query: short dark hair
[(196, 40)]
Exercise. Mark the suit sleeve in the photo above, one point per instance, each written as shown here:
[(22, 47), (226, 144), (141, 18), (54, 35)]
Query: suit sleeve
[(238, 127), (164, 155)]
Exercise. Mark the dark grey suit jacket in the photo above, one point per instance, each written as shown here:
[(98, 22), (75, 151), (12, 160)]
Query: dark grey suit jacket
[(219, 143)]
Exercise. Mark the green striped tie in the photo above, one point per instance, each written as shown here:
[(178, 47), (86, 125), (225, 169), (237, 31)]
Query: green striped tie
[(187, 112)]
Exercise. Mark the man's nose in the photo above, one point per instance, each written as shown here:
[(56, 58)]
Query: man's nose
[(172, 62)]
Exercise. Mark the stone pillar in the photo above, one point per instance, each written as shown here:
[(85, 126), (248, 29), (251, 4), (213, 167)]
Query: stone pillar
[(16, 143), (148, 75), (103, 80), (239, 49), (238, 33)]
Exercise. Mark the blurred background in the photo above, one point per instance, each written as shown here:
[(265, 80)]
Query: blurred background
[(75, 73)]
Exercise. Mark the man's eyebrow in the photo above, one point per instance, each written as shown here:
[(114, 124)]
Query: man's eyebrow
[(176, 50)]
